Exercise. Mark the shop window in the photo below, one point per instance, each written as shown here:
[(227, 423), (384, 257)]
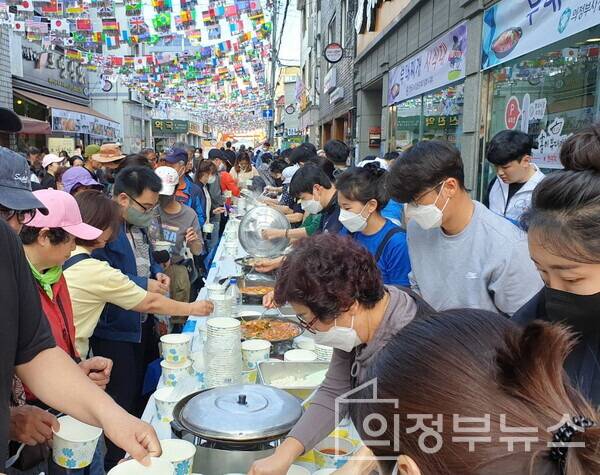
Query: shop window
[(548, 94), (436, 115)]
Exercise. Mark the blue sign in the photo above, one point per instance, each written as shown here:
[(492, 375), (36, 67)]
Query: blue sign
[(268, 114)]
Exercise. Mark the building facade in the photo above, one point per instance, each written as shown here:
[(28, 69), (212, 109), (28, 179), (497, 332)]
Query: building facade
[(462, 70), (336, 107), (308, 90), (287, 125)]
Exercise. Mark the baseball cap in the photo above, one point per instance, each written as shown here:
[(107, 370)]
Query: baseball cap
[(288, 173), (376, 161), (109, 152), (214, 153), (9, 120), (51, 158), (15, 183), (91, 149), (176, 155), (169, 178), (78, 176), (63, 212)]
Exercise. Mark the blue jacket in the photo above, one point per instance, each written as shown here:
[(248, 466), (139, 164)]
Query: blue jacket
[(195, 199), (116, 323)]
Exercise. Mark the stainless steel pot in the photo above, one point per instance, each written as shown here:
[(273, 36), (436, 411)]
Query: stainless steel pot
[(233, 426)]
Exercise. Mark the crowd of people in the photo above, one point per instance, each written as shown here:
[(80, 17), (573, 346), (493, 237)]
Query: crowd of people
[(450, 306)]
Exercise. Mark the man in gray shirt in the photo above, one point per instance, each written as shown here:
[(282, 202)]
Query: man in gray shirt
[(462, 254)]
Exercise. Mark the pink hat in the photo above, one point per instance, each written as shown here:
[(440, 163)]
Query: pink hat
[(63, 212)]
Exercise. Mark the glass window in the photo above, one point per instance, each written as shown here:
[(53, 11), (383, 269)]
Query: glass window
[(548, 94), (436, 115)]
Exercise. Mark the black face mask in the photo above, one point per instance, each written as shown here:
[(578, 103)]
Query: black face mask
[(578, 311), (278, 182)]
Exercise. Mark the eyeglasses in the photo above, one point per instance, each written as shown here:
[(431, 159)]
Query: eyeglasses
[(152, 210), (422, 195), (23, 217), (307, 325)]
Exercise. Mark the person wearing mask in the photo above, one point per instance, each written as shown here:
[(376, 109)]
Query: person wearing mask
[(51, 163), (77, 179), (217, 204), (462, 254), (495, 401), (76, 161), (150, 155), (48, 241), (106, 162), (187, 193), (266, 147), (564, 240), (175, 226), (394, 211), (509, 193), (225, 179), (29, 349), (362, 196), (243, 171), (126, 336), (207, 176), (34, 158), (93, 283), (58, 177), (336, 289)]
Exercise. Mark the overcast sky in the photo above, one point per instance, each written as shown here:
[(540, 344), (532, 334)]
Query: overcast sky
[(289, 54)]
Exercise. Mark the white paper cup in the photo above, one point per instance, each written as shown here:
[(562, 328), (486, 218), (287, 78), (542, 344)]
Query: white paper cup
[(325, 456), (255, 351), (165, 404), (298, 470), (131, 467), (73, 446), (176, 347), (300, 356), (180, 453), (173, 374)]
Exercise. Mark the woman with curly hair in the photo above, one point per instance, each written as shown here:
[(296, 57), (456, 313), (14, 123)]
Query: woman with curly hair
[(338, 294)]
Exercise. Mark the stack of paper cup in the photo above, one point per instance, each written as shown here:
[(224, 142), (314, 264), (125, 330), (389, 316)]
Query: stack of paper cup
[(176, 363), (324, 353), (223, 352), (221, 301)]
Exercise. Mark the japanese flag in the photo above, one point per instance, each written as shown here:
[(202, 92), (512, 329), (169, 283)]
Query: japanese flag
[(59, 24), (25, 6), (19, 26)]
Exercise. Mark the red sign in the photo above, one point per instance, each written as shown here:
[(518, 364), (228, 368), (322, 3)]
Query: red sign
[(512, 113)]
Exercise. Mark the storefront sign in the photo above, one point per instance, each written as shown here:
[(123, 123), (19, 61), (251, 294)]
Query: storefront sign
[(374, 137), (194, 128), (512, 113), (333, 53), (550, 140), (330, 82), (58, 144), (441, 122), (169, 127), (513, 28), (336, 96), (79, 123), (440, 64)]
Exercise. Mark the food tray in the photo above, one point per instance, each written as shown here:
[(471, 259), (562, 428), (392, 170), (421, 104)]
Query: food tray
[(278, 319), (269, 371)]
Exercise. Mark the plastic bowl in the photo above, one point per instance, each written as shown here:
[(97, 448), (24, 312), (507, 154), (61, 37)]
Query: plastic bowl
[(74, 444), (131, 467)]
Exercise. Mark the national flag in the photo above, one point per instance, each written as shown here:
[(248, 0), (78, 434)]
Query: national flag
[(36, 25), (19, 26), (110, 24), (59, 25), (52, 8), (128, 61), (83, 24), (116, 61), (25, 6), (73, 54), (231, 11), (220, 11), (243, 6)]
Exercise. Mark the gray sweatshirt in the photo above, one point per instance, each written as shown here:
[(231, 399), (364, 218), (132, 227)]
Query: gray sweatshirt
[(319, 420), (486, 266)]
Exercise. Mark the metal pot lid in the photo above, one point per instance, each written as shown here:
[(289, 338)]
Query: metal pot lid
[(250, 232), (241, 413)]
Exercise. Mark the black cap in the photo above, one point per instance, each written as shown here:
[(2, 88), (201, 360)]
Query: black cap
[(9, 120), (15, 183), (215, 153)]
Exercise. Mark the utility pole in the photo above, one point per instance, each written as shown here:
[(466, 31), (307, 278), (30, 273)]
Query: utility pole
[(274, 56)]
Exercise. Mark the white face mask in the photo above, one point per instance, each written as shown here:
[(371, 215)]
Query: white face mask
[(212, 179), (197, 154), (311, 206), (342, 338), (353, 222), (427, 216)]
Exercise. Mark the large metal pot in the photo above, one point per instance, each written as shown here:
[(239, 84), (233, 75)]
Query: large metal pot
[(233, 426)]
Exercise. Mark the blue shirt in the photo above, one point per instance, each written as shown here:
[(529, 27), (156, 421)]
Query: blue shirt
[(394, 211), (394, 262)]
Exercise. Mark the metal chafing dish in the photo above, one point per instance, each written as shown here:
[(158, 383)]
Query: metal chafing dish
[(279, 347), (233, 426)]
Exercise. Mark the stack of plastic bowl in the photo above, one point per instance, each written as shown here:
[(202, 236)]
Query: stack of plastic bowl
[(324, 353), (223, 352), (176, 364), (221, 300)]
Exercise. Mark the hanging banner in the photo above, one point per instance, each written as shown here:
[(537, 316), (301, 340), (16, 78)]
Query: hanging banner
[(441, 63), (513, 28), (80, 123)]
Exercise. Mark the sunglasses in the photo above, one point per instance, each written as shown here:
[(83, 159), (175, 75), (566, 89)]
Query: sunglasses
[(23, 217)]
